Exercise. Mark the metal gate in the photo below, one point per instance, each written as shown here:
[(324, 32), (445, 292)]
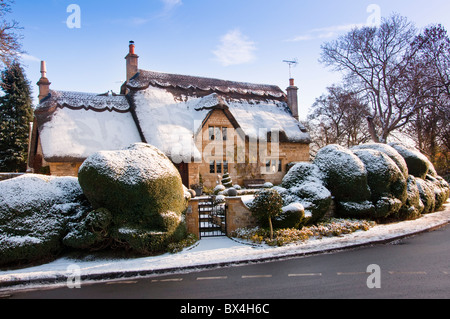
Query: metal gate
[(212, 217)]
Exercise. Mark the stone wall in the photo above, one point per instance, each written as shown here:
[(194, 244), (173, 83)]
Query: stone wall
[(64, 169), (238, 216)]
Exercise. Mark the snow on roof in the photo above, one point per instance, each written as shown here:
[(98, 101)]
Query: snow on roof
[(258, 118), (145, 78), (79, 124), (89, 101), (168, 109), (171, 124)]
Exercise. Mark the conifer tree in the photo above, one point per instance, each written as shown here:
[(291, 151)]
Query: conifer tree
[(16, 113)]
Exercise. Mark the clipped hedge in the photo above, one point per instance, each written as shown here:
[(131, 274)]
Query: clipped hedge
[(142, 190), (34, 213), (386, 182)]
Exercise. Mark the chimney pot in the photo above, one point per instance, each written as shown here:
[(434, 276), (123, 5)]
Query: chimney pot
[(44, 83), (132, 47), (132, 62), (291, 82)]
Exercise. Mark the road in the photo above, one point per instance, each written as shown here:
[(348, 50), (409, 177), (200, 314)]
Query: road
[(415, 267)]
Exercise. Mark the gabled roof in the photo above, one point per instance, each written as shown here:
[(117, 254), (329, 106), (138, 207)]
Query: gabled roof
[(74, 125), (170, 109)]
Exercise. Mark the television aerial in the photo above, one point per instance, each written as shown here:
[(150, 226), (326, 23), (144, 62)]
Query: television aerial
[(292, 64)]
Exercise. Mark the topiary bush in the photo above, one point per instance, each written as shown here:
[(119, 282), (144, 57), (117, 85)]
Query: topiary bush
[(34, 213), (386, 182), (226, 180), (266, 205), (345, 176), (142, 190), (413, 207), (426, 192), (418, 164), (389, 151), (291, 216)]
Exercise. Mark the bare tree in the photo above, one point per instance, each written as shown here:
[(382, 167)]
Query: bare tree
[(339, 117), (9, 39), (429, 126), (376, 62)]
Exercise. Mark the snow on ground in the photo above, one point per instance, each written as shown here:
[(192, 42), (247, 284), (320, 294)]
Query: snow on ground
[(219, 250)]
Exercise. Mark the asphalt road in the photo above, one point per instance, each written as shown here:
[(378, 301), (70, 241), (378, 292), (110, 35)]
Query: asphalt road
[(415, 267)]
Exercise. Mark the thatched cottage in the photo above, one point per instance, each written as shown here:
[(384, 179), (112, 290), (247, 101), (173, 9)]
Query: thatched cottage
[(205, 126)]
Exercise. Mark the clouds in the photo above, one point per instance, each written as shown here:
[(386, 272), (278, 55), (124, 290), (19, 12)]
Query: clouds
[(169, 5), (235, 48), (325, 33)]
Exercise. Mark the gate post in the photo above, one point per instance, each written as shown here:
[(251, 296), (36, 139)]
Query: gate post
[(192, 218)]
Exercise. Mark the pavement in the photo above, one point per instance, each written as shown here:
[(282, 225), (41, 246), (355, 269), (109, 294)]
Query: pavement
[(206, 254)]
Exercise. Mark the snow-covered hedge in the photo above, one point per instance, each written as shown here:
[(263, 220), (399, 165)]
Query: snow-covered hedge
[(142, 190), (368, 181), (303, 184), (34, 213)]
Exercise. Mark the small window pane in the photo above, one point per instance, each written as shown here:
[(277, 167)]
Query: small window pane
[(212, 167), (211, 133), (219, 167), (224, 133), (218, 133)]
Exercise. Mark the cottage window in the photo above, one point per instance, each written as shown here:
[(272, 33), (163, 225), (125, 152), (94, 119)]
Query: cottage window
[(273, 166), (219, 167), (217, 133)]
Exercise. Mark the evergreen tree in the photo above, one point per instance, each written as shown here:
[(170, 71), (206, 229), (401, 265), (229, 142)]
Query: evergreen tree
[(16, 113)]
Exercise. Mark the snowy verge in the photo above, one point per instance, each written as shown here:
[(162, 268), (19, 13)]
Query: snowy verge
[(210, 252)]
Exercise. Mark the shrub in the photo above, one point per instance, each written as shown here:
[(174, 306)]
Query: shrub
[(418, 164), (34, 212), (389, 151), (427, 196), (386, 182), (413, 207), (300, 173), (328, 228), (291, 216), (143, 191), (344, 174), (226, 180), (266, 205)]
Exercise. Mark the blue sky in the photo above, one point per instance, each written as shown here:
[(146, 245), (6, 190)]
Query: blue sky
[(241, 40)]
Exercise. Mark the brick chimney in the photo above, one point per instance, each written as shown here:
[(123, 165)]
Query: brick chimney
[(292, 95), (44, 83), (132, 62)]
